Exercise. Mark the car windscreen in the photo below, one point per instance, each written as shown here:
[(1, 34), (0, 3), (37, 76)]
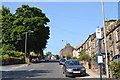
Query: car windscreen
[(62, 60), (71, 63)]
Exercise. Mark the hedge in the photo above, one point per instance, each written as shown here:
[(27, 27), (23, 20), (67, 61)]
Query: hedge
[(12, 57), (115, 68), (13, 53), (13, 60)]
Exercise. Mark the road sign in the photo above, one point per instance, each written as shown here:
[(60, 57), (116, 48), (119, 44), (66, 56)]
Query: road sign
[(98, 33), (99, 59)]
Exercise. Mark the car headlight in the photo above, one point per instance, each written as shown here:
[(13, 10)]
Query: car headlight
[(69, 70), (83, 69)]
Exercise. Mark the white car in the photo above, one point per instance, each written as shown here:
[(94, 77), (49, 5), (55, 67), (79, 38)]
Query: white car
[(53, 58), (46, 59)]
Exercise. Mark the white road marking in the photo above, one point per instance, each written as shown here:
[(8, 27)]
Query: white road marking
[(31, 69)]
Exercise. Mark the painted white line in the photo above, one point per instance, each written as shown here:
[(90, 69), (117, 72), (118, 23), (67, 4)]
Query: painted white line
[(31, 69)]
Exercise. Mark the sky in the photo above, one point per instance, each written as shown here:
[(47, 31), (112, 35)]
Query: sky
[(70, 22)]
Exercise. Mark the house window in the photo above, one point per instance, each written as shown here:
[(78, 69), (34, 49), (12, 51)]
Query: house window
[(89, 43), (117, 35), (110, 40)]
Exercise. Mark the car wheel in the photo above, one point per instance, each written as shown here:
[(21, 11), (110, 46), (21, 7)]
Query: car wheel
[(66, 75), (63, 72), (84, 74)]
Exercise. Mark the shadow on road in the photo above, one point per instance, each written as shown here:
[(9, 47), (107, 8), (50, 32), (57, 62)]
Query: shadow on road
[(51, 61), (24, 73)]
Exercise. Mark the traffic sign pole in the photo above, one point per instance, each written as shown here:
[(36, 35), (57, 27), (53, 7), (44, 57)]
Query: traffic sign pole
[(99, 56), (100, 63)]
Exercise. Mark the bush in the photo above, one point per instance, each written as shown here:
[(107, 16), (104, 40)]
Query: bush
[(115, 68), (74, 58), (35, 55), (27, 61), (84, 58), (13, 60), (18, 60), (12, 57), (0, 57), (6, 47), (4, 57), (13, 53)]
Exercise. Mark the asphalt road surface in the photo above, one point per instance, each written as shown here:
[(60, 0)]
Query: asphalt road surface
[(43, 69)]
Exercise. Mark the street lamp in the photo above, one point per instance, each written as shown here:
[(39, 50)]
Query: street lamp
[(26, 34), (105, 38)]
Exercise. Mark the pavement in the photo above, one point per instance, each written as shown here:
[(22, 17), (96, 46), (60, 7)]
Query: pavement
[(11, 67), (92, 74)]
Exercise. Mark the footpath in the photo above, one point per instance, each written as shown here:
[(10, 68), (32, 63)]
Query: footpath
[(92, 74), (11, 67)]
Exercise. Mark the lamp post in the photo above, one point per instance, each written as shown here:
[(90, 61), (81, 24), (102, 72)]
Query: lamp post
[(26, 36), (105, 38)]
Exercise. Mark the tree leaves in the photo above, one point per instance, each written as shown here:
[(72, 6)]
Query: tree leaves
[(25, 19)]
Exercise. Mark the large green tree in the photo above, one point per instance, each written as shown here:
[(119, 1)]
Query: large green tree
[(6, 27), (25, 19)]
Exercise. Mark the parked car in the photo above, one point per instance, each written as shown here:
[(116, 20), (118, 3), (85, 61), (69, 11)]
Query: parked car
[(73, 68), (35, 59), (116, 57), (53, 58), (62, 61), (46, 59)]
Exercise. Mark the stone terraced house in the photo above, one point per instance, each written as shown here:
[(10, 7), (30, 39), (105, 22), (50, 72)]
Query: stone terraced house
[(112, 40)]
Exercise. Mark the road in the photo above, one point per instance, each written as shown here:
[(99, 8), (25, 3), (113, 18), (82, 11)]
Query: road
[(50, 69), (36, 70)]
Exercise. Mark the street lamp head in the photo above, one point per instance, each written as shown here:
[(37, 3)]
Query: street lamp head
[(32, 31), (29, 31)]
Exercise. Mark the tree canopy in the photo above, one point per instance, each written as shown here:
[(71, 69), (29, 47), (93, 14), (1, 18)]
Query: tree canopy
[(48, 53), (25, 19)]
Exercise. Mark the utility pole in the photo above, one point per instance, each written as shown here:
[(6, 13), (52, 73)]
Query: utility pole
[(104, 28), (26, 36), (25, 45)]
